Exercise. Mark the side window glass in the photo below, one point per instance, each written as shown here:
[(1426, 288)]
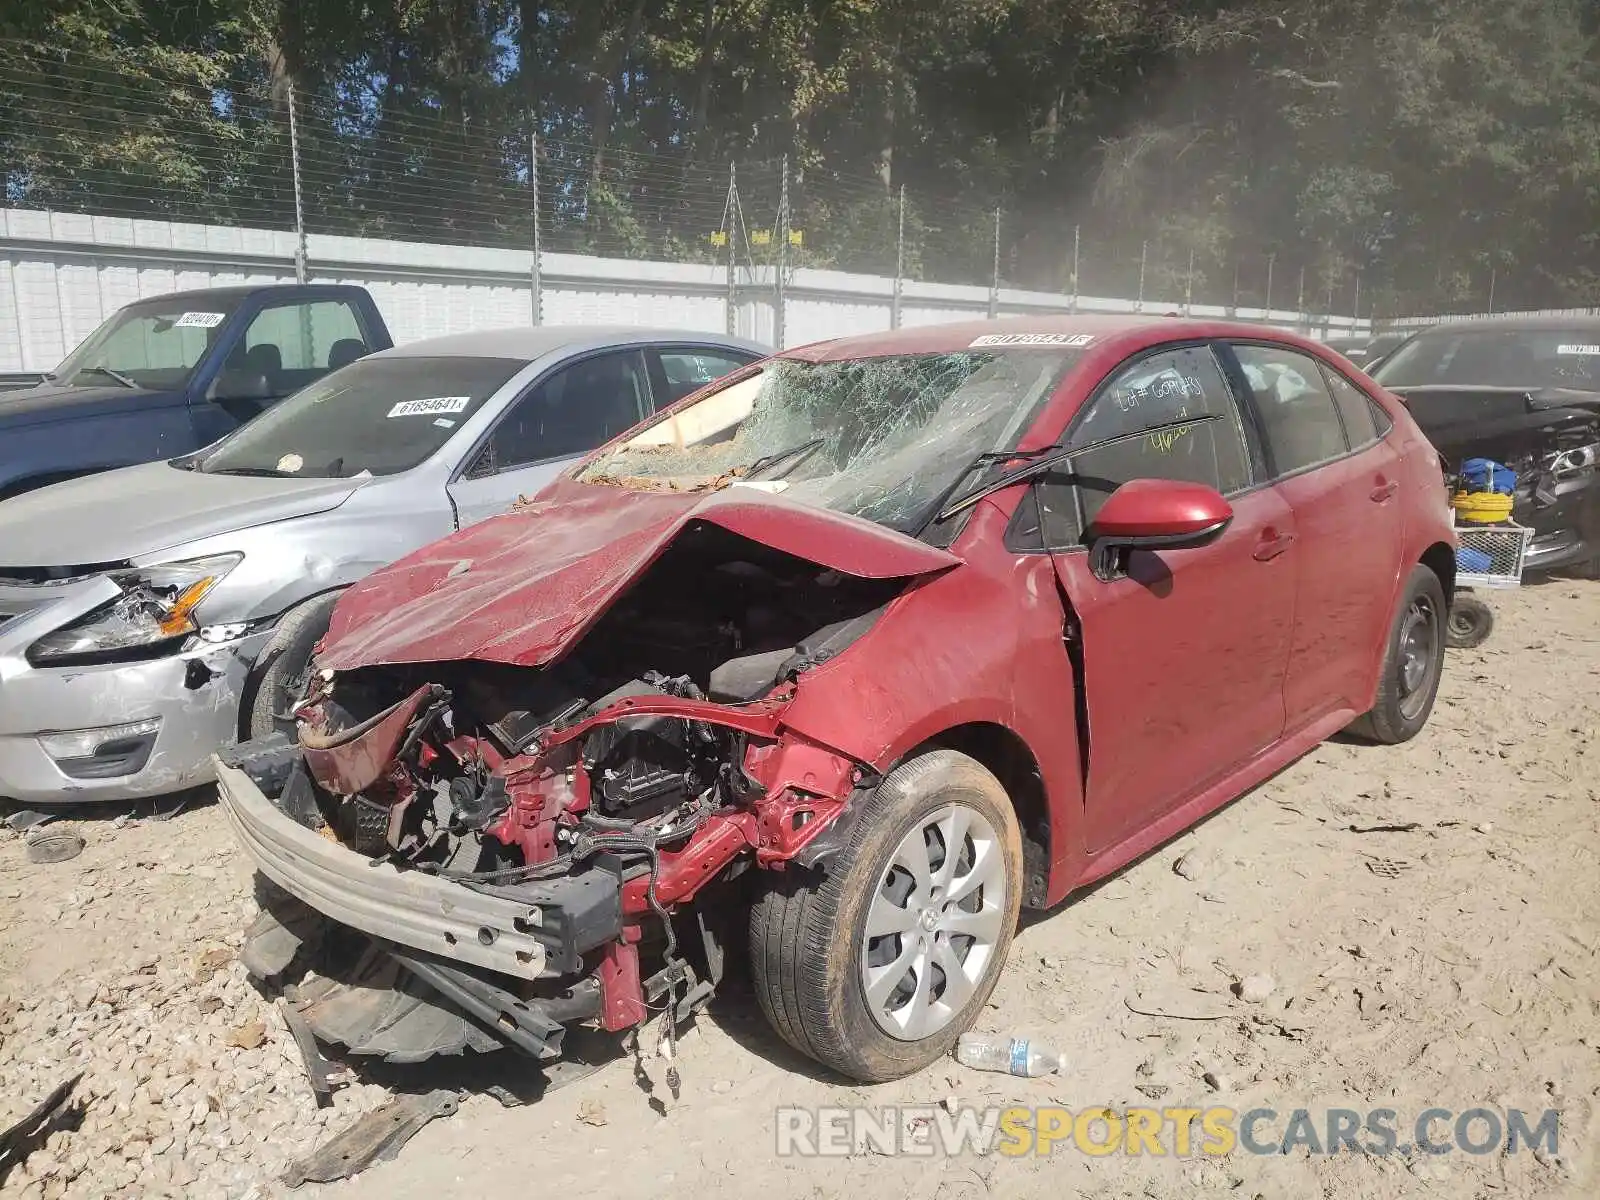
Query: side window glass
[(1381, 421), (685, 371), (1154, 391), (1355, 408), (573, 411), (1298, 417), (289, 345)]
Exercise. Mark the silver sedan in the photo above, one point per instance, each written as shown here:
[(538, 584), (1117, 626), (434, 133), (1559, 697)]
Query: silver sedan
[(149, 616)]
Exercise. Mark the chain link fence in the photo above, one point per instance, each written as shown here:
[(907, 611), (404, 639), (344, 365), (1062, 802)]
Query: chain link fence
[(109, 137)]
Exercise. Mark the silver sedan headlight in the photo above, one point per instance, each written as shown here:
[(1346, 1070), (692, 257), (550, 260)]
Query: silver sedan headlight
[(156, 607)]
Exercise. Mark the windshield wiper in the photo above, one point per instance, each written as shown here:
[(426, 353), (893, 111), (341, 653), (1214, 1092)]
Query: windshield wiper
[(263, 472), (799, 453), (1041, 460), (117, 375)]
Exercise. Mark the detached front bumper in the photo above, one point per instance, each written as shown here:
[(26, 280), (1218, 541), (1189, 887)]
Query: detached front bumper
[(406, 907), (175, 712)]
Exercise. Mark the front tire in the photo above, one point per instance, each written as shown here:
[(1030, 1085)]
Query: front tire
[(876, 966), (1413, 659), (280, 670)]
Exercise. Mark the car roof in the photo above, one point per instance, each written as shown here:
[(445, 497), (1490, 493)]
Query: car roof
[(530, 342), (1121, 332), (1530, 322), (232, 292)]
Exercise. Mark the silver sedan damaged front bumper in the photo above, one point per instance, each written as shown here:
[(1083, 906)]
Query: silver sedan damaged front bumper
[(118, 731)]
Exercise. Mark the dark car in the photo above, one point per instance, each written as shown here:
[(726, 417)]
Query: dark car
[(1380, 347), (1524, 391), (847, 657), (168, 375)]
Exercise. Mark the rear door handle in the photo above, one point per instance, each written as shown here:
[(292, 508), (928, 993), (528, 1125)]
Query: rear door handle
[(1384, 492), (1271, 545)]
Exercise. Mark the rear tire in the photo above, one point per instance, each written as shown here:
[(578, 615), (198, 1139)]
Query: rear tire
[(879, 1006), (1469, 624), (1413, 660), (279, 671)]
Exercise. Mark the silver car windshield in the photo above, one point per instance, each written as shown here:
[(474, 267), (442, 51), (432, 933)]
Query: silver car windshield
[(881, 438), (378, 416)]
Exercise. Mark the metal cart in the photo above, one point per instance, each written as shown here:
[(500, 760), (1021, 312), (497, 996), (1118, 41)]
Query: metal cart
[(1487, 557)]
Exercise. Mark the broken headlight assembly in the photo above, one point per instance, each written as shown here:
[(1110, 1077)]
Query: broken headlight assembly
[(1580, 460), (156, 607)]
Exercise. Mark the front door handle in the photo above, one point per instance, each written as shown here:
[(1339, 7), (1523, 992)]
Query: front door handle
[(1271, 545), (1384, 492)]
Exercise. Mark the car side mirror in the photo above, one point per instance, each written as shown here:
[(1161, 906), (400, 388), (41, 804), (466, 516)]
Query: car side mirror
[(239, 385), (1154, 514)]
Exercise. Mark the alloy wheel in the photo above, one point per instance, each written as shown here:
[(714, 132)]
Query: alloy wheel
[(933, 923)]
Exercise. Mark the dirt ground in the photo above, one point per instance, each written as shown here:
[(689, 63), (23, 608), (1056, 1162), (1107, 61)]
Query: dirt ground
[(1450, 963)]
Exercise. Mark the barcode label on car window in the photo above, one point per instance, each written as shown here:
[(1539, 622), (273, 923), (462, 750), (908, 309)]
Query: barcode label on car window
[(199, 320), (1578, 350), (1032, 339), (431, 407)]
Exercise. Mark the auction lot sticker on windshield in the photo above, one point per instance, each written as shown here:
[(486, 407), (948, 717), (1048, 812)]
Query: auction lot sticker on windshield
[(431, 407), (1032, 339), (199, 320), (1583, 350)]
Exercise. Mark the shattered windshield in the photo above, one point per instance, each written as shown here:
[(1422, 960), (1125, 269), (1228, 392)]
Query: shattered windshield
[(880, 438), (1521, 358)]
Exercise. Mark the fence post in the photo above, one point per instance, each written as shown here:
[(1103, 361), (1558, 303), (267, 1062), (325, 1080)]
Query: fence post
[(535, 280), (299, 211), (732, 216), (1300, 300), (779, 281), (994, 286), (1138, 302), (1233, 310), (899, 262), (1355, 308), (1491, 291), (1271, 258), (1188, 286), (1076, 230)]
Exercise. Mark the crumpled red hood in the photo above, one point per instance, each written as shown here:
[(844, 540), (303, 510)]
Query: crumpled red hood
[(522, 587)]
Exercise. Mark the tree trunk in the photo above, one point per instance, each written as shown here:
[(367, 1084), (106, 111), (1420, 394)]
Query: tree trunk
[(529, 60), (700, 111), (608, 86), (892, 87)]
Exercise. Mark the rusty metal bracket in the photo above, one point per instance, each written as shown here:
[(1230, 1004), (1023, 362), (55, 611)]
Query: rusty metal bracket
[(377, 1136)]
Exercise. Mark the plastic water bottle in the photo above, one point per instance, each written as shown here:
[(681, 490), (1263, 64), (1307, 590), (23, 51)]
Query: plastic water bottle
[(1015, 1056)]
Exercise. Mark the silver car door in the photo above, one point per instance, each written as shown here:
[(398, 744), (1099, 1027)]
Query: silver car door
[(569, 412)]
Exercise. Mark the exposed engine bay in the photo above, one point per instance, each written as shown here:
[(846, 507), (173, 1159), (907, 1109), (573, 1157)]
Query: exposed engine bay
[(1549, 438), (604, 791)]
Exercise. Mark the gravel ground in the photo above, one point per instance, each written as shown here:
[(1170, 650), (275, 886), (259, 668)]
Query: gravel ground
[(1452, 963)]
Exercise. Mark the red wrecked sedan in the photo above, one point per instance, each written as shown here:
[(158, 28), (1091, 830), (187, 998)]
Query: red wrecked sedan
[(838, 663)]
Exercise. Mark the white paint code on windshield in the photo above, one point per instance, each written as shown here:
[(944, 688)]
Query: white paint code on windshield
[(199, 320), (1581, 350), (1032, 339), (432, 406)]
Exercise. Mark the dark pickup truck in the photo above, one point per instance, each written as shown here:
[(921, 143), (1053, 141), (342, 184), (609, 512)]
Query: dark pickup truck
[(168, 375)]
